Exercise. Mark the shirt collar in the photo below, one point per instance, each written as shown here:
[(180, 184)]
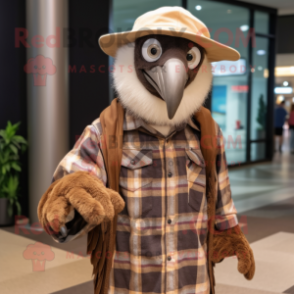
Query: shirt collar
[(192, 123), (133, 123)]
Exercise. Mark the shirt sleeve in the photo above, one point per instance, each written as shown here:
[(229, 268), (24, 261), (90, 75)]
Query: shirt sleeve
[(85, 156), (226, 213)]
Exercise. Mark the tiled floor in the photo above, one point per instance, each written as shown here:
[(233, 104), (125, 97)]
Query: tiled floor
[(274, 256), (19, 270), (269, 227), (262, 184)]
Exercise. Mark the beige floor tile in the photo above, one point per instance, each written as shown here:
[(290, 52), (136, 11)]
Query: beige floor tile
[(274, 258), (52, 280), (17, 273), (225, 289)]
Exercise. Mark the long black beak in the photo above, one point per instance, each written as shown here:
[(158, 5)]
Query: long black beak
[(169, 80)]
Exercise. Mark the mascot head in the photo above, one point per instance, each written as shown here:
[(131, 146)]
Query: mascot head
[(162, 70)]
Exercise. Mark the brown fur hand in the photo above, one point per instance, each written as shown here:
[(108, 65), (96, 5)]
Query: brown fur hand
[(81, 191), (233, 242)]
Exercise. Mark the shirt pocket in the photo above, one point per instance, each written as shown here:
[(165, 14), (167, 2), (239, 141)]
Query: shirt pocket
[(136, 181), (196, 177)]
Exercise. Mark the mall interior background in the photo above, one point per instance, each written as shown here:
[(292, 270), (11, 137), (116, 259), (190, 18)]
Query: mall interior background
[(237, 89), (242, 100)]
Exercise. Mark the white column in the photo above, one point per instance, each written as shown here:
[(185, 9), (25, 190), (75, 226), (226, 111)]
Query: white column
[(47, 89)]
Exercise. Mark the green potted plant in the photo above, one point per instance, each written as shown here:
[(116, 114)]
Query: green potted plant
[(261, 118), (261, 128), (10, 147)]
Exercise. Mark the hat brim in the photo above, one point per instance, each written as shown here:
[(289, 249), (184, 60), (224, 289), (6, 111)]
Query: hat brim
[(215, 51)]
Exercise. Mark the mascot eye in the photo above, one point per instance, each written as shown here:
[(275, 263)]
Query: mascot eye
[(151, 50), (193, 57)]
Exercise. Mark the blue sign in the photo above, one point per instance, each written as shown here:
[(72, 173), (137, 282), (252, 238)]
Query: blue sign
[(219, 99)]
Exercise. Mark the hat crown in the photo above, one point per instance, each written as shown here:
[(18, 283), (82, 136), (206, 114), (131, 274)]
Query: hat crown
[(172, 18), (174, 22)]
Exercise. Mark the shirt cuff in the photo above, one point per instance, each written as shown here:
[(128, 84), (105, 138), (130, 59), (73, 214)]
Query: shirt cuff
[(225, 222)]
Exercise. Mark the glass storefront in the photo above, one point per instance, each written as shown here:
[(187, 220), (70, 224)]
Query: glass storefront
[(239, 96), (230, 83), (259, 89), (125, 12), (261, 22)]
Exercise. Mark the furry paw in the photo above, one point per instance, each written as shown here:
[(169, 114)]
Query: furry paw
[(233, 242), (81, 191), (246, 263)]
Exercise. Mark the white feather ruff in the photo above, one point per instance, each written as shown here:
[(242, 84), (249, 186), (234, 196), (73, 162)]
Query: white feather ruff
[(137, 99)]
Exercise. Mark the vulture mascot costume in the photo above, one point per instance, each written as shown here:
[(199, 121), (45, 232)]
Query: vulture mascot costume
[(147, 180)]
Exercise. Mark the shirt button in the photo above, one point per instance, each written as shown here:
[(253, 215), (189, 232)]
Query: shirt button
[(169, 221), (169, 258), (170, 174)]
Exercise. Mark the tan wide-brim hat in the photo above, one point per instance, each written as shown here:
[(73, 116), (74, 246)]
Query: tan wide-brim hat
[(170, 21)]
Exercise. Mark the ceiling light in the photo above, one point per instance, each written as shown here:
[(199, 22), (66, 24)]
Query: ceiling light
[(198, 7), (284, 71), (283, 90), (244, 28), (285, 84), (261, 52)]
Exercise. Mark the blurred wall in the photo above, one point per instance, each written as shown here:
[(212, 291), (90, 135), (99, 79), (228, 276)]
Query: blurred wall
[(285, 40), (13, 80), (88, 72)]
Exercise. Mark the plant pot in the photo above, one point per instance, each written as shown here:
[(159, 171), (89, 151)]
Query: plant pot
[(259, 147), (5, 219), (260, 134)]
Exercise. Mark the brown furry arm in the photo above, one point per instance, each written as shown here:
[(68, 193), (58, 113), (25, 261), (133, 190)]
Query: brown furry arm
[(233, 242), (85, 193)]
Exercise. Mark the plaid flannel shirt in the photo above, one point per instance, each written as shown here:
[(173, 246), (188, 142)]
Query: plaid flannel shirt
[(161, 234)]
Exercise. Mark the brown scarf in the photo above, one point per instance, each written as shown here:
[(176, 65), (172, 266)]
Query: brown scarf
[(101, 240)]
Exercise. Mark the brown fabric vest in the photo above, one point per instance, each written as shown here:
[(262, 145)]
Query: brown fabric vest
[(101, 240)]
